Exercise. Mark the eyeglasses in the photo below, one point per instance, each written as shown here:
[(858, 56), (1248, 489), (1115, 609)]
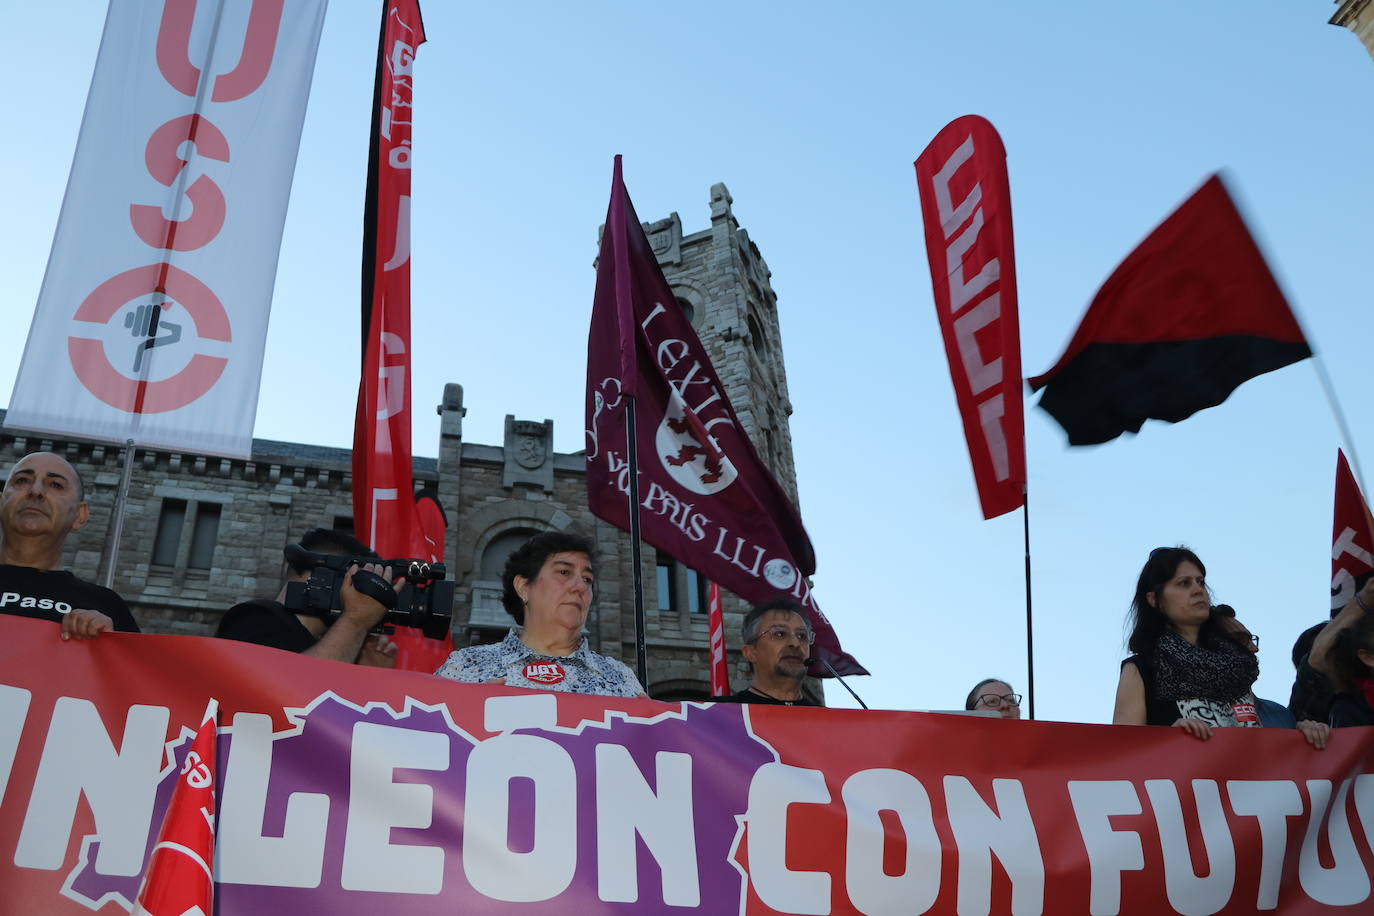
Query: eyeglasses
[(998, 699), (779, 632), (1250, 638)]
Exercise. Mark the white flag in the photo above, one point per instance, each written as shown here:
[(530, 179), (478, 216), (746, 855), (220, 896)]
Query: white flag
[(152, 318)]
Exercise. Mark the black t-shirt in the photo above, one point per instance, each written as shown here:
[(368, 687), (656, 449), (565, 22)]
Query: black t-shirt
[(265, 623), (749, 696), (49, 594)]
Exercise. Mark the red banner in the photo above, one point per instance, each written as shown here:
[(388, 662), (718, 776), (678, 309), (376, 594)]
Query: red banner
[(720, 669), (706, 498), (348, 789), (1352, 538), (384, 515), (966, 205)]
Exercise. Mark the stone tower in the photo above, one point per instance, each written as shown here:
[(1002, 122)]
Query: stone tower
[(722, 282), (1358, 17)]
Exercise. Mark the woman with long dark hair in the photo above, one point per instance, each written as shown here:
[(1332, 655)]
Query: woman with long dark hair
[(1184, 670)]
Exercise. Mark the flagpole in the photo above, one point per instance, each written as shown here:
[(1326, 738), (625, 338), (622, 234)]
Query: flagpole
[(637, 576), (1330, 391), (117, 516), (1030, 626)]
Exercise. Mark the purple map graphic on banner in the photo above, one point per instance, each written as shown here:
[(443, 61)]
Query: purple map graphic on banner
[(623, 814)]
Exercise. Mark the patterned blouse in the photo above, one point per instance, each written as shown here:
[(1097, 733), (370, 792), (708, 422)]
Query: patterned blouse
[(515, 663)]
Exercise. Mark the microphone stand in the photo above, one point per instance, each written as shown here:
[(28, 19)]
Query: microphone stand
[(836, 675)]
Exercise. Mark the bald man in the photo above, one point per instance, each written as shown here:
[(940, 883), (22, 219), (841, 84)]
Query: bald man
[(43, 501)]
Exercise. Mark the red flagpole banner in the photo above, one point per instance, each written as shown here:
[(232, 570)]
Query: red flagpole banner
[(348, 790), (152, 318), (386, 514), (1191, 314), (720, 668), (1352, 538), (966, 206), (180, 876), (707, 498)]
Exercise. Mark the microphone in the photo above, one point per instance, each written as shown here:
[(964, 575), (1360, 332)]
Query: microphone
[(836, 675)]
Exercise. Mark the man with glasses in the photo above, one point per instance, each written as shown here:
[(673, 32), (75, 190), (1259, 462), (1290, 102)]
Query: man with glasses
[(993, 695), (777, 643)]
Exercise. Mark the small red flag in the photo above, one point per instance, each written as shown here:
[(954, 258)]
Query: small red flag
[(179, 880), (720, 671), (1352, 538), (1190, 314), (966, 203)]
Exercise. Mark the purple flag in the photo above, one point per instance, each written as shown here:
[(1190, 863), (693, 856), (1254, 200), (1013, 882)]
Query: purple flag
[(706, 498)]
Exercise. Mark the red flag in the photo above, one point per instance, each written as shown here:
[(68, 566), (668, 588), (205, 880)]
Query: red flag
[(1188, 316), (720, 671), (179, 880), (707, 499), (1352, 538), (966, 204), (385, 512)]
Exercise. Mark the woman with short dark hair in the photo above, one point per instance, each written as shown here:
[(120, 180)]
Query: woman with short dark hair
[(547, 588)]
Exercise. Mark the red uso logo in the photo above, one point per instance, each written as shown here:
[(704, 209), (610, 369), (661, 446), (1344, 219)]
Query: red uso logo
[(545, 672), (131, 391), (118, 390)]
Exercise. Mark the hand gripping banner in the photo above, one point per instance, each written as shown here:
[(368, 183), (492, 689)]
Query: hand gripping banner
[(349, 790), (966, 205), (152, 316)]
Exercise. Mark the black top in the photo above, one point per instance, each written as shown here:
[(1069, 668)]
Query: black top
[(49, 594), (265, 623), (1311, 695), (1348, 709), (749, 695), (1157, 711)]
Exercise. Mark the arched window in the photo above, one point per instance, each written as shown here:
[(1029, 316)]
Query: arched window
[(688, 310), (756, 335), (499, 549)]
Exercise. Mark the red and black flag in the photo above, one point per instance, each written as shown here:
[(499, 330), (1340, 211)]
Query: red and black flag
[(1190, 314)]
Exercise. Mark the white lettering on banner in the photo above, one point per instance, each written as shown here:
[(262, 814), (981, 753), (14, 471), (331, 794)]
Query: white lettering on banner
[(377, 803), (1346, 882), (120, 786), (1110, 851), (1346, 544), (546, 870), (1008, 832), (14, 708), (400, 252), (379, 495), (1189, 894), (627, 808), (774, 787), (1270, 802), (981, 376), (872, 890), (243, 855)]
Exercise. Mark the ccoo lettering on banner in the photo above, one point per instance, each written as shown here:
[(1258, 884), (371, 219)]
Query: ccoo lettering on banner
[(966, 205)]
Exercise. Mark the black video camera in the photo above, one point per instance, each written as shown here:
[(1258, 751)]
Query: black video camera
[(425, 601)]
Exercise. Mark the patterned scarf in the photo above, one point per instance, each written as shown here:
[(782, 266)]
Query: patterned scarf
[(1221, 670)]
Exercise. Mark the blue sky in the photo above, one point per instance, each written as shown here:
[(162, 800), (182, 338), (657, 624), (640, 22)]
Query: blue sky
[(812, 114)]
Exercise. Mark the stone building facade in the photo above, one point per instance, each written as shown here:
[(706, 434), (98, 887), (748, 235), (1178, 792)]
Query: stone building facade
[(202, 533), (1358, 17)]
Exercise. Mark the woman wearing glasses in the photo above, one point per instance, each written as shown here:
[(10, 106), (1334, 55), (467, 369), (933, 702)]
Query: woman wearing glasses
[(1184, 671), (993, 695)]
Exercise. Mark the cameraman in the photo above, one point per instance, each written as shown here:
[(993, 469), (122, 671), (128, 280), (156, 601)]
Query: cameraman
[(269, 622)]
